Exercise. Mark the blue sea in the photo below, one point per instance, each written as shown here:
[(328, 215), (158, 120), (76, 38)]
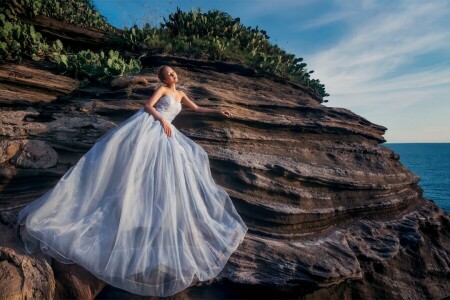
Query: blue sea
[(431, 162)]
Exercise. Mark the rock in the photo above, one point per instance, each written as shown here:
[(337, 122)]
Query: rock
[(15, 123), (30, 154), (35, 154), (72, 36), (41, 84), (74, 282), (25, 277), (331, 211), (127, 81), (39, 276)]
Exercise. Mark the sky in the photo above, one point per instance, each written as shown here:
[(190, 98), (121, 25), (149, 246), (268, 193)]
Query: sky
[(387, 61)]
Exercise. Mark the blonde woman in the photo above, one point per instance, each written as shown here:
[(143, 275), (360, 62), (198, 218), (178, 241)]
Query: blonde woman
[(140, 210)]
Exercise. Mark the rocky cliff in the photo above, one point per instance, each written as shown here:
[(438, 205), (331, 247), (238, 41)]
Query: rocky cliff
[(331, 212)]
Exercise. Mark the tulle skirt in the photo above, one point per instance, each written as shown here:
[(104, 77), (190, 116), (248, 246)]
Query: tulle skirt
[(140, 210)]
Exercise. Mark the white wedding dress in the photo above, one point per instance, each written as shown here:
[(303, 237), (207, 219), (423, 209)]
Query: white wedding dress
[(140, 210)]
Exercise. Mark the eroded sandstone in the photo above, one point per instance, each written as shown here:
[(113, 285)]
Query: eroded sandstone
[(331, 211)]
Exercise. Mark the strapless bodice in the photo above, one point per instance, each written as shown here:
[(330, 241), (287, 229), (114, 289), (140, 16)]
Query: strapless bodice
[(168, 107)]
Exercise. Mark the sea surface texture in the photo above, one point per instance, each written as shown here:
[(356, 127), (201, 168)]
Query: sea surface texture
[(431, 162)]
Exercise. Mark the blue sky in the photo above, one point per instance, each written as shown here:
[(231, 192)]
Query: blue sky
[(388, 61)]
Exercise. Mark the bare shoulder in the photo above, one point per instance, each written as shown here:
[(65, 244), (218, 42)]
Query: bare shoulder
[(182, 96), (160, 91), (162, 88)]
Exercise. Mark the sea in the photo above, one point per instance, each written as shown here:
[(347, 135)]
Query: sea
[(431, 162)]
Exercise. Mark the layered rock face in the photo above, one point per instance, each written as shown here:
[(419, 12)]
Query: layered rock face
[(331, 211)]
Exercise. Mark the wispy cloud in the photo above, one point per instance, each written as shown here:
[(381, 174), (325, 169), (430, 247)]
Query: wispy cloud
[(326, 19), (251, 9), (357, 71)]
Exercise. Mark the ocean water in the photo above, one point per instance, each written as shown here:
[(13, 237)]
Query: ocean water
[(431, 162)]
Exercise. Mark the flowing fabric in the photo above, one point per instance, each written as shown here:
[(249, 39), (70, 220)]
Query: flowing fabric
[(140, 210)]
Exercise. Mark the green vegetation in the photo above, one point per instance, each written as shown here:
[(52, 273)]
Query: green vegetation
[(213, 35), (78, 12), (96, 67), (19, 40)]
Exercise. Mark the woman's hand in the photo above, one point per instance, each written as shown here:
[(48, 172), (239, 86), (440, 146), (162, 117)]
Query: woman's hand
[(224, 112), (167, 127)]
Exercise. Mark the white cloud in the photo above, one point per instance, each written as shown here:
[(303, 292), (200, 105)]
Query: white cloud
[(255, 9), (326, 19), (358, 70)]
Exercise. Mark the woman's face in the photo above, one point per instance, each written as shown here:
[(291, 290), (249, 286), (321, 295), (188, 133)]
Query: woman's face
[(170, 75)]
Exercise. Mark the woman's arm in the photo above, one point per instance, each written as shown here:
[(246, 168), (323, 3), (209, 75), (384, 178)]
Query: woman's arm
[(151, 102), (189, 103), (151, 110)]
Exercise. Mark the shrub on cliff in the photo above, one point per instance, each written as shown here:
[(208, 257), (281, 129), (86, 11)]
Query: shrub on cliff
[(213, 35), (96, 67), (216, 35), (78, 12), (20, 40)]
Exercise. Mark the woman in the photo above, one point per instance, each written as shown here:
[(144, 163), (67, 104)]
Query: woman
[(140, 210)]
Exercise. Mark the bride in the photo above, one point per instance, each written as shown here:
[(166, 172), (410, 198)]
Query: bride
[(140, 210)]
